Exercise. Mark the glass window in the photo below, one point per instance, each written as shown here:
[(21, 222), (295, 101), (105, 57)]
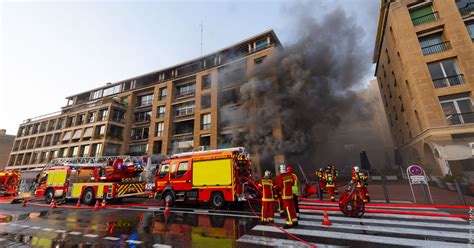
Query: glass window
[(140, 133), (145, 100), (111, 90), (262, 43), (458, 108), (206, 82), (163, 93), (161, 112), (206, 101), (206, 122), (118, 115), (164, 169), (96, 94), (139, 149), (470, 29), (103, 114), (185, 89), (445, 73), (184, 109), (433, 43), (422, 15), (182, 169), (144, 116), (160, 127)]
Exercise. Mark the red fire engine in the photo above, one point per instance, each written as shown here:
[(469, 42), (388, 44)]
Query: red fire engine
[(9, 183), (216, 176), (92, 178)]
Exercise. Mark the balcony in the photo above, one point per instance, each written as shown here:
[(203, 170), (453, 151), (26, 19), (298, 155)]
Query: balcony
[(185, 93), (183, 112), (144, 103), (462, 118), (437, 48), (425, 18), (449, 81), (468, 9), (139, 137)]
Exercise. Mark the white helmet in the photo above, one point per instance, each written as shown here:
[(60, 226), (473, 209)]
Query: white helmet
[(282, 168), (356, 169), (268, 174)]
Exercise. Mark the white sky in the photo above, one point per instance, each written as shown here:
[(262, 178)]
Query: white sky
[(53, 49)]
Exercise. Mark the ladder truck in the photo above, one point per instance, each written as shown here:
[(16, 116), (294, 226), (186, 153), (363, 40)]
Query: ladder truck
[(92, 178)]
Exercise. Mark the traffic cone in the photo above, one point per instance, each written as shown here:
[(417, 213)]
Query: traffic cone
[(104, 203), (97, 206), (24, 203), (326, 220), (78, 202), (53, 203), (167, 207)]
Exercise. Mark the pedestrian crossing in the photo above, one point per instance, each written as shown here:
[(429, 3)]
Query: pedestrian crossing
[(372, 230)]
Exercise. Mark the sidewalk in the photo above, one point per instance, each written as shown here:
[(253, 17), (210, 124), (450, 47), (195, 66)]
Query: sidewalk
[(400, 191)]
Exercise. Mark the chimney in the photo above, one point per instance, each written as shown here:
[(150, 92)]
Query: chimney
[(3, 131)]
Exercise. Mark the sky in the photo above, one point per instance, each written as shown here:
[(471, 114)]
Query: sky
[(53, 49)]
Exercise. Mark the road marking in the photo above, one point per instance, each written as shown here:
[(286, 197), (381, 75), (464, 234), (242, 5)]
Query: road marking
[(401, 216), (75, 233), (112, 238), (2, 239), (383, 229), (274, 242), (389, 222), (91, 235), (35, 227), (47, 229), (60, 231), (361, 237), (135, 242), (13, 224), (162, 246), (189, 212), (383, 201), (370, 207), (24, 226)]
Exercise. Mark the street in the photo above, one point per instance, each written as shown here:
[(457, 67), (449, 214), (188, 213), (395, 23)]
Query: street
[(146, 225)]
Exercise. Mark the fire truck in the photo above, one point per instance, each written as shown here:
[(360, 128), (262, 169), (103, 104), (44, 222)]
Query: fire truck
[(216, 176), (9, 183), (89, 179)]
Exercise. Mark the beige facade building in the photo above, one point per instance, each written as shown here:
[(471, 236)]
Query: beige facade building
[(425, 69), (6, 144), (171, 110)]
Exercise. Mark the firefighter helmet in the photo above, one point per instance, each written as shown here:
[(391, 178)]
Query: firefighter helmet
[(289, 168), (268, 174), (282, 168), (356, 169)]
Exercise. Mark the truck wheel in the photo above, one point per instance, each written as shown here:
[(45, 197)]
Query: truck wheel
[(48, 196), (88, 197), (217, 200), (171, 195)]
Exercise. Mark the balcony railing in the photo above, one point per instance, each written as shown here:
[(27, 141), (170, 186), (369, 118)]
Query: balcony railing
[(144, 103), (426, 18), (183, 112), (437, 48), (185, 93), (139, 137), (449, 81), (468, 9), (462, 118)]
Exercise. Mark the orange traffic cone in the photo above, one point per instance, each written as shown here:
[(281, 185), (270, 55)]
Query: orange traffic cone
[(97, 206), (53, 203), (326, 220), (78, 202), (104, 202), (167, 207), (24, 203)]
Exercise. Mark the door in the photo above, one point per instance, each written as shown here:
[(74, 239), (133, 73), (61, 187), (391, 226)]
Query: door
[(162, 177), (180, 175)]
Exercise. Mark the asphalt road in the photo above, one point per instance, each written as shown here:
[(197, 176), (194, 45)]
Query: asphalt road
[(197, 226)]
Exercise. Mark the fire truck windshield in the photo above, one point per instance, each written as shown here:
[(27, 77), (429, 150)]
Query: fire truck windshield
[(164, 169)]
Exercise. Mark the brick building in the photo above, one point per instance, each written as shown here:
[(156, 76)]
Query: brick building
[(6, 144), (424, 57), (171, 110)]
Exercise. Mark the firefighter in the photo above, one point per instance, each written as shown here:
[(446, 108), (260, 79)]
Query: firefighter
[(285, 183), (268, 188), (335, 174), (329, 179), (295, 187), (321, 182), (360, 179)]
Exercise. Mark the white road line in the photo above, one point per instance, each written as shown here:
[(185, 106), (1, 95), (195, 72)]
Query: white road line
[(13, 224), (112, 238), (24, 226), (388, 222), (401, 216), (274, 242), (188, 212), (162, 246), (383, 201), (135, 242), (91, 235), (75, 233), (60, 231), (47, 229), (371, 207), (35, 227), (383, 229), (362, 237), (2, 239)]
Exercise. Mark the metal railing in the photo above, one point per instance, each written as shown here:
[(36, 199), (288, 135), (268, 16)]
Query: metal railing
[(462, 118), (144, 103), (425, 18), (449, 81), (437, 48), (185, 93), (183, 112), (468, 9)]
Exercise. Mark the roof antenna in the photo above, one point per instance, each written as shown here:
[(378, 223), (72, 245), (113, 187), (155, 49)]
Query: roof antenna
[(201, 36)]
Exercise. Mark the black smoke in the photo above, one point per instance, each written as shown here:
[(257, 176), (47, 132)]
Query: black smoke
[(307, 87)]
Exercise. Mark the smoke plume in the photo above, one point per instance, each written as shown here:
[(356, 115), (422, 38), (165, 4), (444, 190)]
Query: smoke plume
[(309, 87)]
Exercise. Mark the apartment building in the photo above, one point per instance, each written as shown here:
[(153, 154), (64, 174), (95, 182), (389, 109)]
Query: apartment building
[(6, 144), (172, 110), (424, 55)]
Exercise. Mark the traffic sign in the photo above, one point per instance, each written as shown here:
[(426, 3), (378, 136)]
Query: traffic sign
[(416, 175)]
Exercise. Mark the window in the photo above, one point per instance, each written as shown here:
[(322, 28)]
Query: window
[(118, 115), (56, 138), (205, 142), (183, 127), (145, 100), (184, 109), (205, 121), (159, 127), (470, 29), (96, 94), (99, 131), (61, 124), (43, 126), (96, 150), (111, 90), (140, 133), (39, 142), (112, 149), (160, 113), (164, 169), (137, 150), (206, 82), (47, 141), (52, 125), (80, 119), (259, 60), (144, 116), (163, 93), (182, 169), (70, 121), (103, 114), (115, 132), (74, 151), (84, 151), (91, 117), (260, 44), (445, 73), (157, 146), (458, 108), (31, 143), (206, 101), (182, 145), (433, 43), (422, 15), (185, 89)]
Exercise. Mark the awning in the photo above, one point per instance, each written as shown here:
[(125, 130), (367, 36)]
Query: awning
[(67, 136), (77, 134), (87, 132), (454, 151), (29, 174)]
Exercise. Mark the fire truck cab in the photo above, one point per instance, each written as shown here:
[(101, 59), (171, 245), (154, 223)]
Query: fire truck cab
[(9, 183), (217, 176)]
